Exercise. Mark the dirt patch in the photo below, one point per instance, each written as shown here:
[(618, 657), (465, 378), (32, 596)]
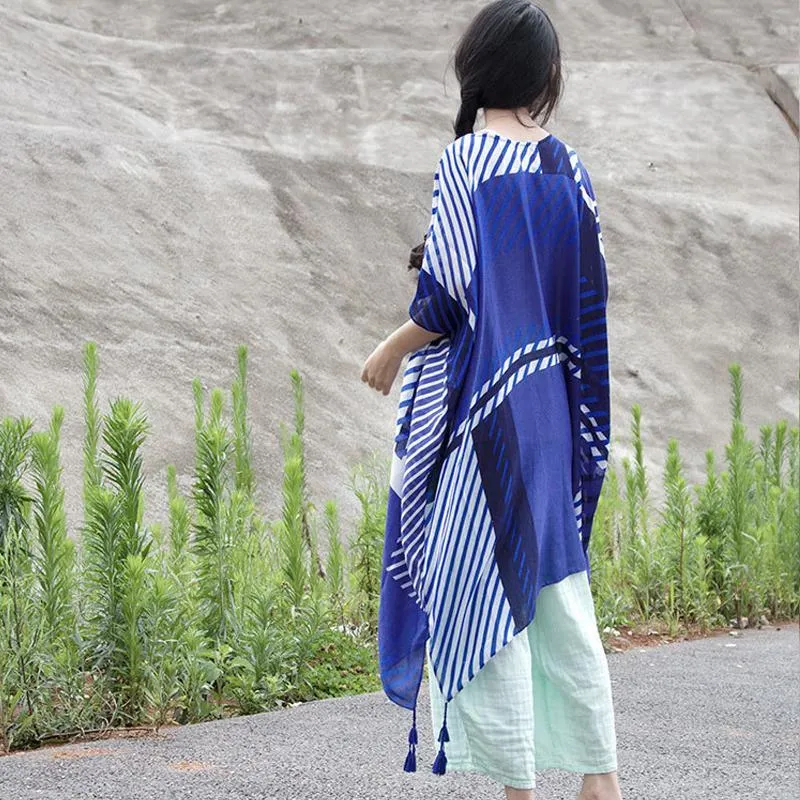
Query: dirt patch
[(53, 742), (83, 752), (626, 638), (190, 766)]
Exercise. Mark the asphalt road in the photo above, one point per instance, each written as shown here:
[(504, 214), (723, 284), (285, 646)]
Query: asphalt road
[(714, 718)]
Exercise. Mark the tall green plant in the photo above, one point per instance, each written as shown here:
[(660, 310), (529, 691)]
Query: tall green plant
[(779, 453), (294, 550), (213, 540), (297, 448), (794, 458), (740, 543), (336, 569), (54, 551), (130, 668), (180, 523), (677, 528), (164, 618), (104, 556), (711, 518), (613, 602), (20, 640), (113, 533), (640, 473), (124, 432), (242, 445), (370, 487), (92, 421), (14, 451), (641, 555)]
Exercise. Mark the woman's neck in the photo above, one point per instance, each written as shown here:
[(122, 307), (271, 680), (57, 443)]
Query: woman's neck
[(506, 121)]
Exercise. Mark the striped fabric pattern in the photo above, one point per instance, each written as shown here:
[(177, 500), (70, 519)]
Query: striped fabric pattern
[(502, 433)]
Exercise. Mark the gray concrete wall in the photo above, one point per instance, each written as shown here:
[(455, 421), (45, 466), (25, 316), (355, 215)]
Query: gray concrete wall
[(182, 177)]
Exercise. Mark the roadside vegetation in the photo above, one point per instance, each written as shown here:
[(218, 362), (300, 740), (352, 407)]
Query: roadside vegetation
[(115, 621), (724, 552)]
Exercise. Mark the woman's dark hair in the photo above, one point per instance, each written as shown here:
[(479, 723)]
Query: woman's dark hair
[(509, 57)]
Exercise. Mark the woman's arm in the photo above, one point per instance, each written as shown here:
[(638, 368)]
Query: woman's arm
[(440, 306), (381, 368)]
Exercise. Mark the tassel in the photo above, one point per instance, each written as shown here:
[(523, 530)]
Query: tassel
[(440, 764), (411, 758)]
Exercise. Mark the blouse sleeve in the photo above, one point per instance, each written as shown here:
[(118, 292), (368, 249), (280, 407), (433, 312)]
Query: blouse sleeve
[(442, 302), (595, 406)]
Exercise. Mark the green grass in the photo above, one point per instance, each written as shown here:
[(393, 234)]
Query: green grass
[(222, 611), (726, 549)]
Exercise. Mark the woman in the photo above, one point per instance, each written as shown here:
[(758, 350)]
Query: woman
[(502, 436)]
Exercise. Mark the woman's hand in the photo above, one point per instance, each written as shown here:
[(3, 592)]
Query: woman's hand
[(383, 365), (381, 368)]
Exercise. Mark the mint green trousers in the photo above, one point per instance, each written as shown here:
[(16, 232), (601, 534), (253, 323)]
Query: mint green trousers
[(543, 702)]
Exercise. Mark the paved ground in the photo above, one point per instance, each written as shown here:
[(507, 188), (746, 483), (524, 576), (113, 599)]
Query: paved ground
[(714, 719)]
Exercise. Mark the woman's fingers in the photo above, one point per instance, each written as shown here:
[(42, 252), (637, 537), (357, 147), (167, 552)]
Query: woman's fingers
[(379, 371), (366, 372)]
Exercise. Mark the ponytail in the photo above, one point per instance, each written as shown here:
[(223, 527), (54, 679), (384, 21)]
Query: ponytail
[(417, 254), (464, 124), (467, 114)]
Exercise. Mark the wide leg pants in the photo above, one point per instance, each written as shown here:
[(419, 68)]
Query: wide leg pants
[(544, 701)]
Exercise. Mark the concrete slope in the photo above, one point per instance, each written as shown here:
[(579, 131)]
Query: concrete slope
[(703, 720), (181, 178)]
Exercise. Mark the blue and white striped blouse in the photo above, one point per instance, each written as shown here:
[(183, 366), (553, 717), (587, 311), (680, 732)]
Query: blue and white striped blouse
[(503, 427)]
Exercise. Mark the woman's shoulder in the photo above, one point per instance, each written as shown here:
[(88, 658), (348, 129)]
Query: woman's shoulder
[(577, 169), (473, 159), (475, 153)]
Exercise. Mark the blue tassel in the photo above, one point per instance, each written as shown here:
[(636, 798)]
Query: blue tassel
[(411, 757), (440, 764)]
